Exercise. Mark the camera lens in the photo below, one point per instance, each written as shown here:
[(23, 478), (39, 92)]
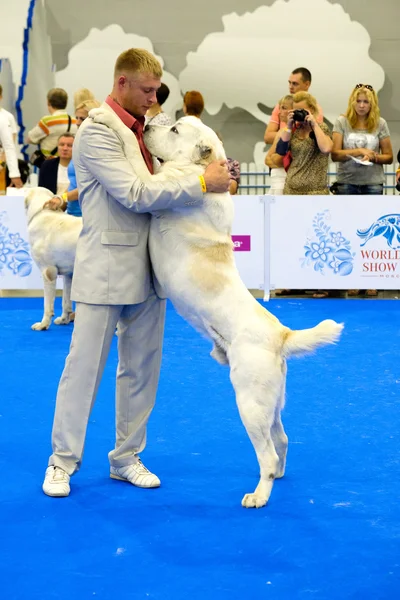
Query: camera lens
[(299, 115)]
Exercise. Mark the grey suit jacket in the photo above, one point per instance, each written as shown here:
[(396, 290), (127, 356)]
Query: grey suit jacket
[(112, 263)]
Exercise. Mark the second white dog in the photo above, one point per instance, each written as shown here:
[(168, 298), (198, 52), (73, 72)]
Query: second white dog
[(53, 236)]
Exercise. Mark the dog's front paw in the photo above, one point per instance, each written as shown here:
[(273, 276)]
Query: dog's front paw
[(42, 326), (254, 500), (99, 115)]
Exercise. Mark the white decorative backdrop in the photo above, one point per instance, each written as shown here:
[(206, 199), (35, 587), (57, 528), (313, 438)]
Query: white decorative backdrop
[(227, 50)]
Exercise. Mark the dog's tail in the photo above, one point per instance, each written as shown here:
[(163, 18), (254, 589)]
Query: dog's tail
[(308, 340)]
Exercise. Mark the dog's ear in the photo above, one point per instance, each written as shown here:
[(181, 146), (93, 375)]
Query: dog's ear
[(202, 152), (28, 197)]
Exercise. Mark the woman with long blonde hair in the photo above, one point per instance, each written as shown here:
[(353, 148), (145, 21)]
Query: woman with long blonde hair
[(363, 135)]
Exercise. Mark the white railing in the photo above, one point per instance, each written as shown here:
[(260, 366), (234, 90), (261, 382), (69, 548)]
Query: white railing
[(255, 179)]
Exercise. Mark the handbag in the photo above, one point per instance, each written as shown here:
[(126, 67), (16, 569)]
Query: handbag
[(24, 170), (37, 158), (287, 159)]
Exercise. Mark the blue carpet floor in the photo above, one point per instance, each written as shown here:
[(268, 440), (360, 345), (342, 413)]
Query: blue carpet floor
[(331, 529)]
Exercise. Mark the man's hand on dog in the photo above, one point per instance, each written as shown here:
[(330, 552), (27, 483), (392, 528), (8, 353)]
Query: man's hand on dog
[(217, 177)]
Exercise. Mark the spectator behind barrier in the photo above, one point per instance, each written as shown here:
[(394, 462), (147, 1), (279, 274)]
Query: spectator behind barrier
[(22, 165), (47, 132), (278, 174), (8, 155), (362, 134), (193, 104), (83, 95), (309, 144), (11, 120), (398, 172), (68, 200), (299, 81), (155, 115), (53, 173)]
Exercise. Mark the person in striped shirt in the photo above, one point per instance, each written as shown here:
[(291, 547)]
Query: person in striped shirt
[(51, 126)]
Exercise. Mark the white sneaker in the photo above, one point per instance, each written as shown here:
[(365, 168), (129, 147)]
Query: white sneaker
[(136, 474), (56, 482)]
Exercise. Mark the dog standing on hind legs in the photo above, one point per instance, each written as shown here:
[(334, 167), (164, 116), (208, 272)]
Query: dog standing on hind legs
[(53, 236), (192, 256)]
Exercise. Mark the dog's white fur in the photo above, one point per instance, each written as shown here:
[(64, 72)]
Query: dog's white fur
[(53, 236), (192, 255)]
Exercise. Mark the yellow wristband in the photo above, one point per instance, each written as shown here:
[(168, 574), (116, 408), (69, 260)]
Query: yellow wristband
[(287, 129), (64, 197), (203, 184)]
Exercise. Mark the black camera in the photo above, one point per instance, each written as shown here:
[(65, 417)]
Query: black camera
[(299, 115)]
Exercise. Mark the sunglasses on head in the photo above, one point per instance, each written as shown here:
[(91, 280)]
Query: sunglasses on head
[(363, 85)]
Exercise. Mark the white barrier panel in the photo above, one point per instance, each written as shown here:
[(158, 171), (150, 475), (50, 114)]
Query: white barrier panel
[(17, 269), (248, 239), (334, 242)]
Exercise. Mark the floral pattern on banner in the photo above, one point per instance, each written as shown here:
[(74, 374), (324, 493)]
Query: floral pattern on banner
[(328, 251), (14, 251)]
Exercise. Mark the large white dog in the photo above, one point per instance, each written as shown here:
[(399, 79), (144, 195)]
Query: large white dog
[(192, 256), (53, 236)]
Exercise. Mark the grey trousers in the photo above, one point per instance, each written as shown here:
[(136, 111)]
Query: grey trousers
[(140, 335)]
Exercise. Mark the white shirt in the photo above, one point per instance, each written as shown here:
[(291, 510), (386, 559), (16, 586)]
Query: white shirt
[(6, 140), (62, 179), (11, 120), (14, 128)]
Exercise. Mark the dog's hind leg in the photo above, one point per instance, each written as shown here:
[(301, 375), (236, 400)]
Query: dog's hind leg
[(49, 281), (66, 302), (219, 354), (257, 379), (278, 434)]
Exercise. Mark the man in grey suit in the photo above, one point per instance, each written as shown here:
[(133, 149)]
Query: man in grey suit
[(112, 281)]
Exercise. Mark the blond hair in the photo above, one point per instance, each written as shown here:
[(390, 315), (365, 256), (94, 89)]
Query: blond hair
[(137, 60), (81, 95), (308, 99), (286, 99), (374, 113), (88, 105)]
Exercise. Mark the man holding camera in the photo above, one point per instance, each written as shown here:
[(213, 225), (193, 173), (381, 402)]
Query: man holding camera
[(299, 81)]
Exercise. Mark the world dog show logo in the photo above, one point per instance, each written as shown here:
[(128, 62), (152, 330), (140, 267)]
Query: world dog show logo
[(382, 262)]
